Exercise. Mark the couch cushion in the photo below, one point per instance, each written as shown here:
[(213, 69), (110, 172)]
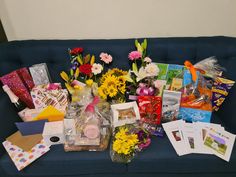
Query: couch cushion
[(57, 162), (161, 157)]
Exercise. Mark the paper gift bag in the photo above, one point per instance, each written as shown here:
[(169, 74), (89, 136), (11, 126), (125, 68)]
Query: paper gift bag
[(50, 94), (20, 82), (150, 109)]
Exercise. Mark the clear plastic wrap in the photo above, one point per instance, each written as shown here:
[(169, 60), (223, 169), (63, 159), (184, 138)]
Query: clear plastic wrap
[(88, 127)]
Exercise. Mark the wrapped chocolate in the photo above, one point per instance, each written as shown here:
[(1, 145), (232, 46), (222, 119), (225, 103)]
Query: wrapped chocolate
[(40, 74), (220, 90)]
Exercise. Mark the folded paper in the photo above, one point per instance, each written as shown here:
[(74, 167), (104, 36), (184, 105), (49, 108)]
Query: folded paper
[(51, 114), (24, 142), (31, 128)]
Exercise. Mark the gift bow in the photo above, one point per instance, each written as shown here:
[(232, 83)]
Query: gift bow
[(192, 70), (90, 107)]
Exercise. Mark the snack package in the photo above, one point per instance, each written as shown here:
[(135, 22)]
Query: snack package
[(170, 105), (220, 90), (40, 74), (150, 109)]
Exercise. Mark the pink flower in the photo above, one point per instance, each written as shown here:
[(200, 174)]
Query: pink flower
[(106, 58), (134, 55)]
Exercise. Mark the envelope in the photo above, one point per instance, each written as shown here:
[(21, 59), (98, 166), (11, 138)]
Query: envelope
[(51, 114), (24, 142), (31, 128)]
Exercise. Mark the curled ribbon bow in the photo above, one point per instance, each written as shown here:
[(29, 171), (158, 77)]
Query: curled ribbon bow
[(192, 70), (90, 107)]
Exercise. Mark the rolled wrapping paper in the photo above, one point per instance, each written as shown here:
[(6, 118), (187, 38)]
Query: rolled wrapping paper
[(220, 90)]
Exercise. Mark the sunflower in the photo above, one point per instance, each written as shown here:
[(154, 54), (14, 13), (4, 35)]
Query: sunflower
[(112, 91), (111, 81)]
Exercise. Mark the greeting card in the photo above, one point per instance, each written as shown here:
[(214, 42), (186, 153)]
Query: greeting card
[(23, 158)]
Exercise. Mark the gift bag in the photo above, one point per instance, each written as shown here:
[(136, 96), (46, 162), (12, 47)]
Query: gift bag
[(50, 94), (196, 104), (20, 82)]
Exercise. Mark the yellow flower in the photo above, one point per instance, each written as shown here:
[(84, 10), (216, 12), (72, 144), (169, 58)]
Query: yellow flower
[(124, 143), (102, 92), (89, 82), (111, 81), (112, 91), (64, 76), (92, 60)]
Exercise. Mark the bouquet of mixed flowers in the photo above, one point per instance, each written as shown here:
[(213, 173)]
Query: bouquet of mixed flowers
[(83, 71), (127, 141), (143, 73)]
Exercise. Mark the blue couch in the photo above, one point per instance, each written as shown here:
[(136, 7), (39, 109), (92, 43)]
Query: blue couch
[(159, 159)]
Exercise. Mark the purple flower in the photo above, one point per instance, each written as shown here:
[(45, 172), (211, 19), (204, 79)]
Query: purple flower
[(134, 55)]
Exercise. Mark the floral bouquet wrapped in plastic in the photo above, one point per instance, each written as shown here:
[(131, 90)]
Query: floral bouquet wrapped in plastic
[(128, 140)]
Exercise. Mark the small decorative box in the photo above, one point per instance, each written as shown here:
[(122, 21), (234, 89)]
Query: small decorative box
[(150, 109), (53, 133)]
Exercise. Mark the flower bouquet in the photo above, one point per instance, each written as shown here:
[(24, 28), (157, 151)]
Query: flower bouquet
[(128, 140), (83, 72), (143, 73)]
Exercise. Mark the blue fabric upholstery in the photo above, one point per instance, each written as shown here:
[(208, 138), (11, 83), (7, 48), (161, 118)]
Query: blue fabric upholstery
[(160, 159)]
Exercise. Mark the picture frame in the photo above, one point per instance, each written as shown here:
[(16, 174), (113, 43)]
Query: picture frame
[(125, 113)]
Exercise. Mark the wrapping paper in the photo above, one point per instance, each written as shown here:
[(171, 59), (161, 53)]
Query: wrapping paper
[(23, 158)]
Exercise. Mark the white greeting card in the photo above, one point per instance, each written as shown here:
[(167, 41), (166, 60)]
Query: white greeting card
[(174, 133), (220, 142), (201, 129)]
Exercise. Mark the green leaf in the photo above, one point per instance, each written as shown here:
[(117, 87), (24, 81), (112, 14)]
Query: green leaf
[(136, 43), (145, 44), (140, 48), (87, 58), (134, 67), (80, 60), (71, 72)]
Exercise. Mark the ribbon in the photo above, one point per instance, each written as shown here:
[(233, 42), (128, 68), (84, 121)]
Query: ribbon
[(90, 107), (143, 90), (192, 70)]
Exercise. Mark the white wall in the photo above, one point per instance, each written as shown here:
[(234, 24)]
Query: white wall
[(87, 19)]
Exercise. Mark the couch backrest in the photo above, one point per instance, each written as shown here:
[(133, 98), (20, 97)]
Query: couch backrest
[(17, 54)]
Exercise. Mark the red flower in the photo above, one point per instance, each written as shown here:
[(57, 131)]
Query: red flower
[(76, 51), (85, 69)]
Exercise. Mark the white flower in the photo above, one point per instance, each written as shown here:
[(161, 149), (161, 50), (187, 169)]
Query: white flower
[(141, 74), (152, 69), (97, 68), (147, 59)]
